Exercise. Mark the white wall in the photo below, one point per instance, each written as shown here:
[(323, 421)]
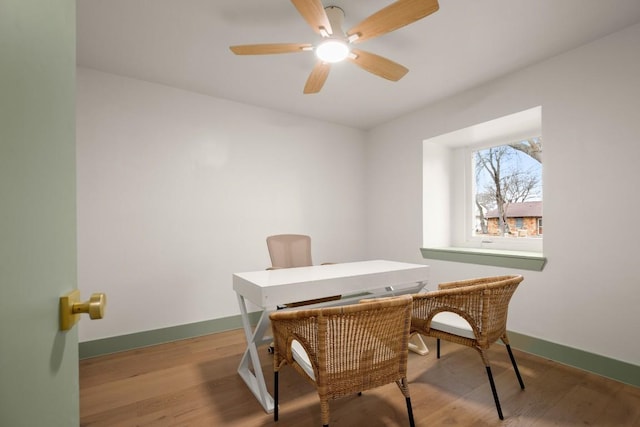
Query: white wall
[(177, 191), (588, 295)]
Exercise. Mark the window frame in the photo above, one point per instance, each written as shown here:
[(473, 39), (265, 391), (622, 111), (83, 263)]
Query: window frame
[(470, 240)]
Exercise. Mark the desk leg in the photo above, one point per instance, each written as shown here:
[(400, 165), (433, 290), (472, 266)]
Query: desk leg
[(250, 359), (417, 345)]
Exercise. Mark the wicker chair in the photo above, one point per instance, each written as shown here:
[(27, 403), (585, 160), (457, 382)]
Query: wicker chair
[(345, 350), (469, 312)]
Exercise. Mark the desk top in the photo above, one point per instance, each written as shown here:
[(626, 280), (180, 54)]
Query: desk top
[(268, 288)]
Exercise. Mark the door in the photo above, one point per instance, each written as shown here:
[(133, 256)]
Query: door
[(38, 363)]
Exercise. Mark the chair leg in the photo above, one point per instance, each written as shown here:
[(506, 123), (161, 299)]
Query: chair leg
[(495, 392), (324, 411), (410, 412), (438, 347), (515, 366), (275, 395)]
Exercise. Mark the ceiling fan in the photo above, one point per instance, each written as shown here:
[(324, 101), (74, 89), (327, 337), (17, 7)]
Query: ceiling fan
[(336, 44)]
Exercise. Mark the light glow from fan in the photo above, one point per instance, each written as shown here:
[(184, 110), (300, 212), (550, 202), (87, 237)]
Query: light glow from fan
[(332, 51)]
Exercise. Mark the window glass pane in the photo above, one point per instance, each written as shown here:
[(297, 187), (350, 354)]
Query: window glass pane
[(507, 192)]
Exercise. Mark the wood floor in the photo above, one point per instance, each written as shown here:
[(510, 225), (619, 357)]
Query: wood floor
[(194, 383)]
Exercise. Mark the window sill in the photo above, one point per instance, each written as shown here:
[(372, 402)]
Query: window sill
[(499, 258)]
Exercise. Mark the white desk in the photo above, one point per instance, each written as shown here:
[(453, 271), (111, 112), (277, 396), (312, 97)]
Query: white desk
[(269, 288)]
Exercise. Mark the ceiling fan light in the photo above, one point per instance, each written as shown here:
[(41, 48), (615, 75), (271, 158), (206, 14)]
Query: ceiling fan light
[(332, 51)]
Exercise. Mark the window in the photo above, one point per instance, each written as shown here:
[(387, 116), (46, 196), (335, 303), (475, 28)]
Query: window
[(506, 190), (455, 181)]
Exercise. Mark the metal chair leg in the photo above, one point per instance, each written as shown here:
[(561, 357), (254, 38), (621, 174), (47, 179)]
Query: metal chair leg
[(495, 393), (410, 412), (438, 347), (275, 395), (515, 366)]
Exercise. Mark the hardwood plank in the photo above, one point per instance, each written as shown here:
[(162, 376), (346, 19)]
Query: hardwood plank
[(194, 383)]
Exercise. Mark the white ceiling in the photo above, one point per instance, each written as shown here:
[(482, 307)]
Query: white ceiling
[(184, 43)]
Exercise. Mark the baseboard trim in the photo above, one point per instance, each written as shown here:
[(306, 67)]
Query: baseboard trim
[(120, 343), (601, 365), (597, 364)]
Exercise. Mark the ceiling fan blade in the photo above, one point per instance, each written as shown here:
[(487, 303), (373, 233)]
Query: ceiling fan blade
[(378, 65), (317, 77), (313, 12), (392, 17), (267, 49)]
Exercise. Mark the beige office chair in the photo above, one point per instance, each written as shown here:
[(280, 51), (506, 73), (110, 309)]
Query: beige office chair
[(469, 312), (290, 251), (345, 350)]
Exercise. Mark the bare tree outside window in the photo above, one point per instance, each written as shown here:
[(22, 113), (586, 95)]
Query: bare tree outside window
[(506, 175)]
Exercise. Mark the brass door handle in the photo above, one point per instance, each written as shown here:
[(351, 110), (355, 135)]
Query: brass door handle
[(94, 307), (71, 307)]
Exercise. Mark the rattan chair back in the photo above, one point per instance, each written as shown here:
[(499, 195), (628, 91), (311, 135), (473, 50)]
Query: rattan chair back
[(350, 349)]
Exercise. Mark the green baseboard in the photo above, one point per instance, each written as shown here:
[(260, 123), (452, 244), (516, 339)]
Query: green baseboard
[(120, 343), (601, 365)]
